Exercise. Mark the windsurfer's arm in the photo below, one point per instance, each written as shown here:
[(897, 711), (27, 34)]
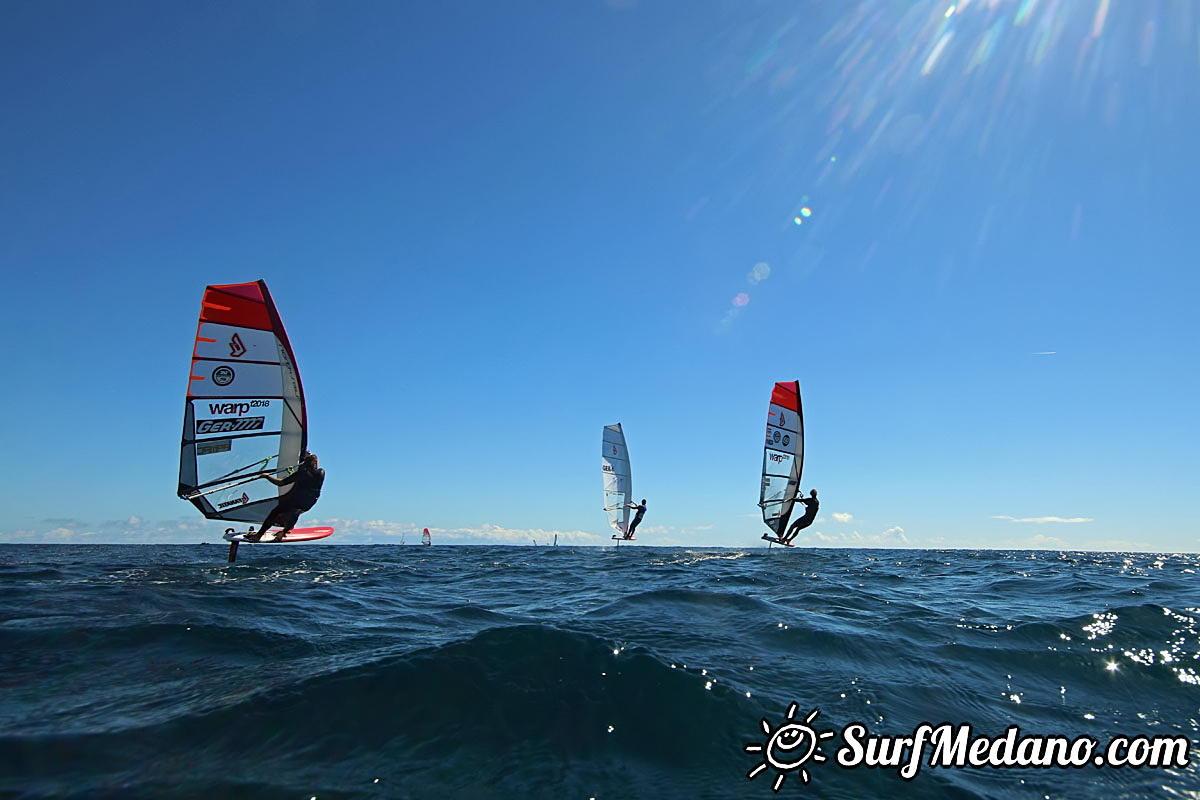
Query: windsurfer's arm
[(281, 481), (278, 481)]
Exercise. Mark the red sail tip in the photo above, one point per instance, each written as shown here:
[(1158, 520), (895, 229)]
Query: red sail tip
[(787, 394)]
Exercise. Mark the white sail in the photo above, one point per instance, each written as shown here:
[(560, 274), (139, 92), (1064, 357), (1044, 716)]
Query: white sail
[(244, 413), (783, 456), (618, 480)]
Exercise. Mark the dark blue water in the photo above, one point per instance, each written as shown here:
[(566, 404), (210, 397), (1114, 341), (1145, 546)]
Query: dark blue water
[(487, 672)]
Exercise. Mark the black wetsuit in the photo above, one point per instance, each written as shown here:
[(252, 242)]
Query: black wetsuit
[(811, 504), (302, 497), (637, 518)]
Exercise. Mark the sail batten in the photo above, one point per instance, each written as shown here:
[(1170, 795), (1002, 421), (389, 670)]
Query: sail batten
[(617, 476), (244, 411), (783, 456)]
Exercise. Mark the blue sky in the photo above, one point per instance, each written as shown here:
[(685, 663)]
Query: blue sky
[(491, 228)]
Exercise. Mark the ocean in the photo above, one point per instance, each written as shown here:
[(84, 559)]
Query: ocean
[(318, 671)]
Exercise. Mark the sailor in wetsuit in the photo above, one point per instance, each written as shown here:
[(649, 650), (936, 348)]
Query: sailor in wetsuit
[(810, 513), (641, 512), (308, 479)]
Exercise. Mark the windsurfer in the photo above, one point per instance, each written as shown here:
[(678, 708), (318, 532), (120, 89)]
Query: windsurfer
[(810, 513), (637, 518), (308, 479)]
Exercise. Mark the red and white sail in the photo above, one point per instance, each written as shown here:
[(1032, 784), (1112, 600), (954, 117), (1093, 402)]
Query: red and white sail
[(244, 412), (783, 456)]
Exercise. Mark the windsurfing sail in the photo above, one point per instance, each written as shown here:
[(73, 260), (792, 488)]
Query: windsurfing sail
[(618, 481), (244, 412), (425, 537), (783, 456)]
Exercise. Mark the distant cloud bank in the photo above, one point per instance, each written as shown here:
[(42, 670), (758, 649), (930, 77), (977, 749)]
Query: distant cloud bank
[(1041, 520)]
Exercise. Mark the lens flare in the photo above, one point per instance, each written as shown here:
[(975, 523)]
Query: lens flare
[(761, 271)]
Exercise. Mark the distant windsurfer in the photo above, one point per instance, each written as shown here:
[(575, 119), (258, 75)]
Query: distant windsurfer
[(810, 513), (307, 480), (637, 518)]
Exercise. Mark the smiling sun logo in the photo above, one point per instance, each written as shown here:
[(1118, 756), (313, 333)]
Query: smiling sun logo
[(789, 747)]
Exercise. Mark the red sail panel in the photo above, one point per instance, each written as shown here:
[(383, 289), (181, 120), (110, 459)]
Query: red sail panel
[(227, 308), (250, 291), (787, 394)]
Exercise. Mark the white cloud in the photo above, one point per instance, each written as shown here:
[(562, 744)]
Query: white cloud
[(892, 537), (1042, 520), (842, 518), (1043, 542)]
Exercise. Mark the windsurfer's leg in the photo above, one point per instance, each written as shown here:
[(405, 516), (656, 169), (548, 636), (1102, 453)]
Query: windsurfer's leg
[(275, 517), (287, 521), (798, 526), (272, 515)]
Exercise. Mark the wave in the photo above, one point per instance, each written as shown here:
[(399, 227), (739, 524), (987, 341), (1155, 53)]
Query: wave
[(468, 709)]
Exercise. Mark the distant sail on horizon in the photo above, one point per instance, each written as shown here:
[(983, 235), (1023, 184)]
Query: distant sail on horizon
[(244, 412), (618, 478), (783, 456)]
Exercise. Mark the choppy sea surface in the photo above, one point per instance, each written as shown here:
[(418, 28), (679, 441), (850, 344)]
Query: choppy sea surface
[(309, 671)]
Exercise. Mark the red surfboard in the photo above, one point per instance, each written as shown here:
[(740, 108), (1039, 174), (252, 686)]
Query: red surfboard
[(294, 535)]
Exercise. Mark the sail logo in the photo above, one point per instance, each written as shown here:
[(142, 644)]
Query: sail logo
[(204, 426), (606, 467), (215, 446), (777, 457), (226, 409), (223, 376), (237, 501), (229, 408), (790, 747), (236, 348)]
